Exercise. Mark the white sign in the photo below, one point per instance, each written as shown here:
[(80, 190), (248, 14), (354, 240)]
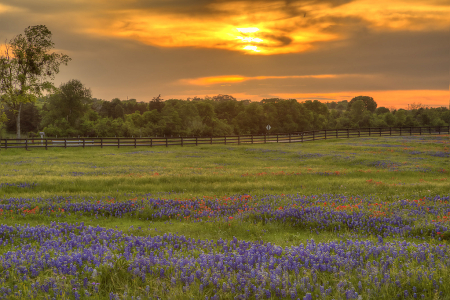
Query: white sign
[(268, 127)]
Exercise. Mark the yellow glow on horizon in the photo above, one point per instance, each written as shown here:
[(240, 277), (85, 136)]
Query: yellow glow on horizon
[(239, 78)]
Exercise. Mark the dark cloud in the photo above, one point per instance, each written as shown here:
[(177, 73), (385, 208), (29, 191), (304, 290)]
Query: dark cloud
[(209, 8), (281, 40)]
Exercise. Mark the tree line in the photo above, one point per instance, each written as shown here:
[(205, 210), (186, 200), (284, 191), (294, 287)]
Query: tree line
[(71, 111)]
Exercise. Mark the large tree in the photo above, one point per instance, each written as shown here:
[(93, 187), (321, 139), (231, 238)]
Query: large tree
[(70, 102), (26, 66), (369, 103)]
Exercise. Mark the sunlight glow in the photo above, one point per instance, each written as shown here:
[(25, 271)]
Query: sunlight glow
[(248, 30), (252, 48), (249, 39)]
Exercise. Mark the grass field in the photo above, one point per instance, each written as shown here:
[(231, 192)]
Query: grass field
[(363, 218)]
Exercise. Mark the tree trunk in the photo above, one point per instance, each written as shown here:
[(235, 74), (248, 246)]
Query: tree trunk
[(18, 121)]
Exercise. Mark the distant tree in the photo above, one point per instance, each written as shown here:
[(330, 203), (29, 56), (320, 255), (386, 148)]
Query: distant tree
[(414, 105), (332, 105), (220, 98), (342, 105), (381, 110), (3, 117), (156, 103), (151, 117), (369, 103), (25, 67), (119, 111), (389, 119), (319, 112), (71, 102), (357, 109), (400, 118), (30, 118), (228, 110), (271, 100)]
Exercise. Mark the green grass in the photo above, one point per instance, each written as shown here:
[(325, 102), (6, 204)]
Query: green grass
[(224, 170), (214, 170), (384, 169)]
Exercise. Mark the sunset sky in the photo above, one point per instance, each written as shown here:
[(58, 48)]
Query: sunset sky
[(396, 51)]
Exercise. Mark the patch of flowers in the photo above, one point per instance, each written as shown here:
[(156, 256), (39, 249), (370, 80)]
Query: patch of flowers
[(82, 258), (417, 218)]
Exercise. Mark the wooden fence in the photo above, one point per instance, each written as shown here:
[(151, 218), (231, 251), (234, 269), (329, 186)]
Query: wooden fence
[(295, 137)]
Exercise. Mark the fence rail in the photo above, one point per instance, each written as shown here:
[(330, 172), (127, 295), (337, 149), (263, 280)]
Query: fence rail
[(295, 137)]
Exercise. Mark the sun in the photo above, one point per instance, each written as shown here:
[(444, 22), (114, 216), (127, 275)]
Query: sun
[(248, 29), (249, 38), (252, 48)]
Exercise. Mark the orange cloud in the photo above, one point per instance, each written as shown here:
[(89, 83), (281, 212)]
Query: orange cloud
[(264, 27), (239, 78)]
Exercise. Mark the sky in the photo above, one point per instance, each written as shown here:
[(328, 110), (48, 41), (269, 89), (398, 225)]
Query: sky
[(395, 51)]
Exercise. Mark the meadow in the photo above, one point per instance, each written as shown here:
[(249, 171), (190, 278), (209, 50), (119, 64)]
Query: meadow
[(362, 218)]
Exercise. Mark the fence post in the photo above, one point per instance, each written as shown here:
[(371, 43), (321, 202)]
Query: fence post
[(6, 144), (277, 137), (167, 143), (380, 131), (181, 141), (336, 133), (420, 130), (196, 141), (151, 142), (118, 143), (302, 136), (46, 144), (84, 141), (101, 143), (325, 134), (390, 131), (134, 142), (264, 138), (225, 140), (314, 136), (369, 131), (289, 137), (210, 140), (26, 144), (400, 130), (239, 139), (252, 138)]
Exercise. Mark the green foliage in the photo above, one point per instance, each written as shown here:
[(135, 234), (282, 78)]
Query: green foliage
[(369, 103), (212, 116), (25, 68)]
